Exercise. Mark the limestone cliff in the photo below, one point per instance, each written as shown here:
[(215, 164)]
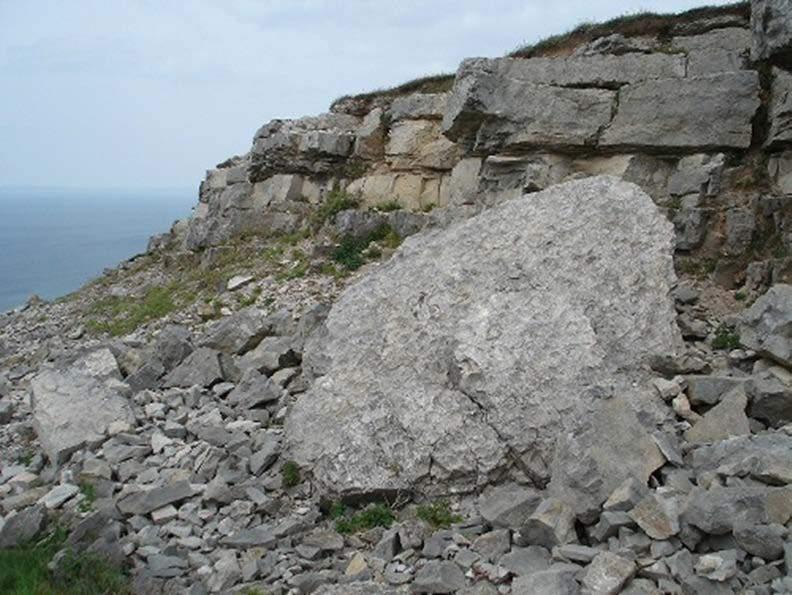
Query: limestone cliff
[(695, 109)]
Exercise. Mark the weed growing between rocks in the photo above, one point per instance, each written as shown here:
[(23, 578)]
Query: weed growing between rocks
[(388, 207), (24, 571), (88, 492), (438, 514), (375, 515), (726, 338), (290, 473), (350, 252), (336, 201)]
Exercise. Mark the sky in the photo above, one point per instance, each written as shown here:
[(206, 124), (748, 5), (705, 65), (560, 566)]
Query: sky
[(151, 93)]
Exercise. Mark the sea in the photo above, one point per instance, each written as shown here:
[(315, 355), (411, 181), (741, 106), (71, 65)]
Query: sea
[(54, 240)]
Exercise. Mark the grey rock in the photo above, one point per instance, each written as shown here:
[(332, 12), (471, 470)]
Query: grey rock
[(780, 110), (74, 406), (626, 496), (265, 456), (765, 326), (254, 390), (23, 527), (764, 458), (418, 106), (611, 447), (172, 345), (162, 566), (58, 495), (262, 536), (361, 588), (508, 505), (720, 50), (573, 552), (146, 501), (771, 396), (272, 354), (492, 545), (764, 541), (375, 424), (609, 524), (438, 577), (608, 573), (482, 111), (723, 421), (718, 509), (237, 334), (6, 412), (203, 367), (697, 175), (657, 515), (717, 566), (5, 385), (227, 572), (709, 390), (707, 112), (556, 580), (522, 561), (771, 27), (551, 524)]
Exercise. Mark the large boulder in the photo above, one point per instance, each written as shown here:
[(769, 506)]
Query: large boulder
[(766, 326), (771, 25), (476, 348), (74, 405)]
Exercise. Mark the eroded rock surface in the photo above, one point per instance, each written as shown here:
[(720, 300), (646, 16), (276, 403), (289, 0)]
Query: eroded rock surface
[(475, 348)]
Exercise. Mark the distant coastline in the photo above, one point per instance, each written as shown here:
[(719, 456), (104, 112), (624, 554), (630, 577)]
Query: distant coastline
[(55, 239)]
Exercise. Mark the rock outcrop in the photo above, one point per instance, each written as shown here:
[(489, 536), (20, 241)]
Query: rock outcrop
[(479, 348)]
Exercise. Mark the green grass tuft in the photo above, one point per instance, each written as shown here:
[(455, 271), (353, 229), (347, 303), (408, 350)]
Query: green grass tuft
[(388, 206), (438, 514), (375, 515), (726, 338), (23, 571), (290, 473), (349, 252)]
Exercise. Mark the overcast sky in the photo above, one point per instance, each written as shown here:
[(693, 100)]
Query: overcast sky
[(150, 93)]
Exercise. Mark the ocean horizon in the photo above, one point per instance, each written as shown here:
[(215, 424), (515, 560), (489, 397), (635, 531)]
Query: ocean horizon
[(54, 240)]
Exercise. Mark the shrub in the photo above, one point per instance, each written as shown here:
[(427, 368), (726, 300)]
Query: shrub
[(336, 201), (89, 496), (438, 514), (350, 251), (726, 338), (375, 515), (290, 473)]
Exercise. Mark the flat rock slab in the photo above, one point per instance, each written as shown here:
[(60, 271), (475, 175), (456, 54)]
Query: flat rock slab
[(707, 112), (474, 348), (74, 406)]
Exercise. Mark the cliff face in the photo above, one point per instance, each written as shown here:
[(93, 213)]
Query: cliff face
[(697, 112)]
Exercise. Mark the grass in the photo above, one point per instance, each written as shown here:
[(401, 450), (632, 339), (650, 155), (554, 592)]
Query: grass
[(89, 496), (696, 267), (350, 251), (290, 473), (631, 25), (23, 571), (388, 207), (375, 515), (740, 296), (336, 201), (438, 514), (429, 207), (726, 338), (433, 83), (123, 315)]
